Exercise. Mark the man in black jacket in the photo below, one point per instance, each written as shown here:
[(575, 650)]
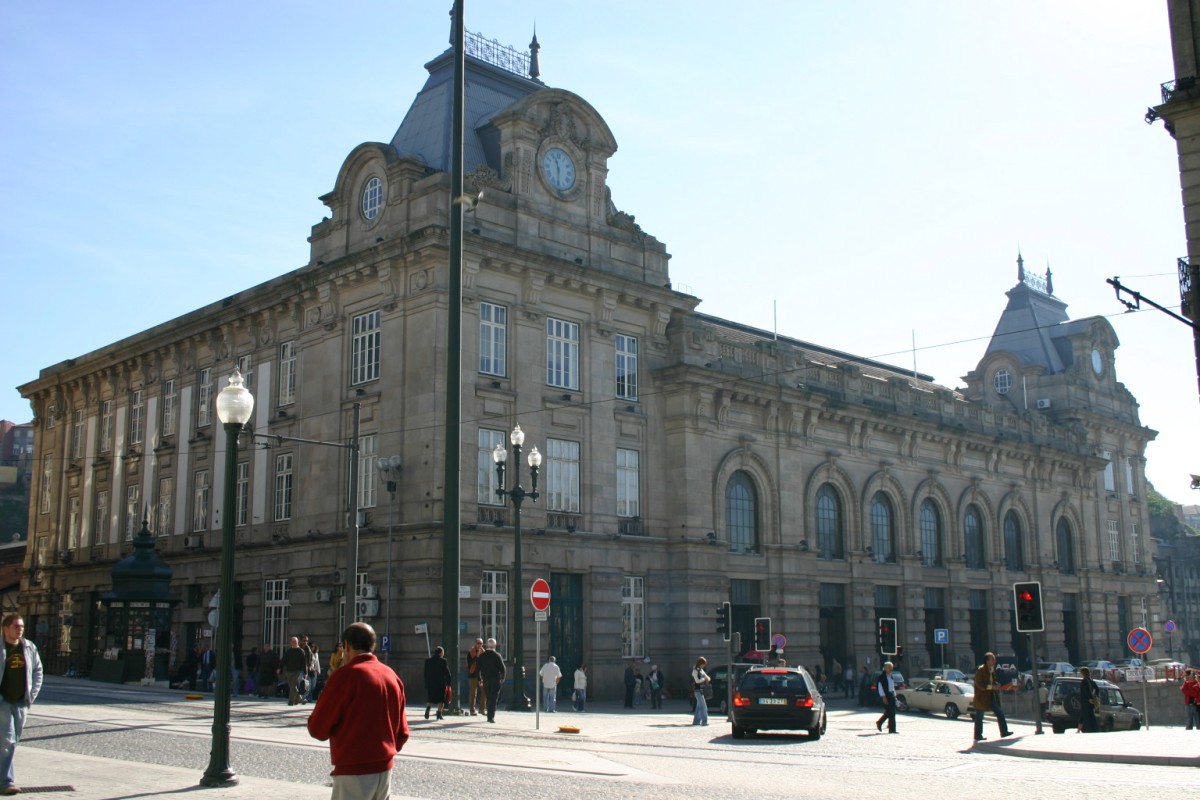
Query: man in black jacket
[(491, 672)]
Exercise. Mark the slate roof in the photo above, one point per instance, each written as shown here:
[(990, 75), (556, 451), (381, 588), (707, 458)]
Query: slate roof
[(1031, 328), (425, 132)]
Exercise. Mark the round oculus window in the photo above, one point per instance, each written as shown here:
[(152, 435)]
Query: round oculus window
[(1097, 362), (1002, 381), (372, 198)]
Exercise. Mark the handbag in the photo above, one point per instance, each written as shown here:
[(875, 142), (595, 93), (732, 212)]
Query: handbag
[(706, 690)]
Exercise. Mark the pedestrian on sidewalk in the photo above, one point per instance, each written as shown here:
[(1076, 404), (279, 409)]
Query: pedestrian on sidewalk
[(1089, 702), (295, 666), (886, 688), (579, 693), (630, 684), (987, 698), (700, 680), (475, 697), (848, 682), (657, 680), (551, 674), (20, 682), (362, 718), (437, 681), (491, 672)]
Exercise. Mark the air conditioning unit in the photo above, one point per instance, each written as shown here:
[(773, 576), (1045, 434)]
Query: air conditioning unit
[(1044, 403), (366, 609), (193, 542), (368, 591), (324, 595)]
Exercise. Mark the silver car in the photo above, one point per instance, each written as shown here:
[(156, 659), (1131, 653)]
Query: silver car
[(951, 698)]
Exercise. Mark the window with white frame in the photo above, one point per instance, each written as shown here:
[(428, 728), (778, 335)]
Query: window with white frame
[(1114, 540), (204, 405), (162, 507), (493, 606), (372, 198), (1129, 476), (627, 366), (368, 456), (277, 606), (244, 364), (287, 373), (562, 475), (485, 476), (133, 502), (200, 495), (106, 426), (628, 483), (493, 338), (1110, 483), (51, 417), (73, 518), (46, 483), (170, 404), (241, 494), (101, 521), (1134, 543), (283, 487), (77, 428), (364, 348), (633, 618), (137, 408), (562, 353)]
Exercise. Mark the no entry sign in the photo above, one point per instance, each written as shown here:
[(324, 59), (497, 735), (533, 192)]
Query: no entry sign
[(539, 595)]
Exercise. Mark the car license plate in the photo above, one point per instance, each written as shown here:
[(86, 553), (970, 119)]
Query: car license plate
[(772, 701)]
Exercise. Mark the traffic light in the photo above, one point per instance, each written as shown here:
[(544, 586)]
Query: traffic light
[(887, 636), (762, 633), (1027, 600), (723, 620)]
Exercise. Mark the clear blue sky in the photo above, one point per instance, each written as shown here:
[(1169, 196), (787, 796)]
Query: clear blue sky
[(870, 167)]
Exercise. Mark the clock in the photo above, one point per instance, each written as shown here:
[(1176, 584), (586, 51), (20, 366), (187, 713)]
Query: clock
[(558, 169), (1097, 362)]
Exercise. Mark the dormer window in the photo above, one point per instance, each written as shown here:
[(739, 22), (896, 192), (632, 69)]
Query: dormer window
[(1002, 381), (372, 198)]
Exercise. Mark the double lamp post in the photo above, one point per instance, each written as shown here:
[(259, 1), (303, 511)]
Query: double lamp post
[(520, 701)]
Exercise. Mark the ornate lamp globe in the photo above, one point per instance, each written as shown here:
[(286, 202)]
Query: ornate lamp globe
[(235, 404)]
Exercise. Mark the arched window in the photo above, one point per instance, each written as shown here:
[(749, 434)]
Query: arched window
[(931, 535), (1014, 554), (741, 513), (829, 523), (1066, 547), (883, 530), (973, 548)]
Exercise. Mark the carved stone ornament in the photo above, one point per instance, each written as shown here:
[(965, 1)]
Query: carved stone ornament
[(561, 123), (484, 177)]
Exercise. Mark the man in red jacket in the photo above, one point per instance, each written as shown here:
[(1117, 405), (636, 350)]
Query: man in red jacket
[(361, 713)]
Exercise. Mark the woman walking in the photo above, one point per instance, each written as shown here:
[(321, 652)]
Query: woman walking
[(700, 680), (437, 681)]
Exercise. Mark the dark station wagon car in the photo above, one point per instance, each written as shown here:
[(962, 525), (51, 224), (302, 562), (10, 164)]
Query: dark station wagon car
[(778, 698)]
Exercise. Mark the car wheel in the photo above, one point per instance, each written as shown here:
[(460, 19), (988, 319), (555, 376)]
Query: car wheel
[(951, 711), (901, 703), (815, 733), (739, 733), (1058, 728), (1137, 723), (751, 731)]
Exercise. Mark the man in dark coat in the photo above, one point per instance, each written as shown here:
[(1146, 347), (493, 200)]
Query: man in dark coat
[(491, 671), (268, 671)]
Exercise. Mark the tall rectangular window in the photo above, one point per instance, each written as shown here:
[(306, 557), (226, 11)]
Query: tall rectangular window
[(493, 606), (283, 487), (204, 405), (368, 456), (200, 498), (1129, 476), (627, 367), (633, 618), (133, 502), (241, 494), (562, 353), (244, 364), (45, 484), (106, 426), (364, 348), (77, 428), (628, 504), (1135, 546), (493, 338), (485, 476), (170, 403), (1114, 540), (137, 407), (277, 605), (162, 508), (287, 373), (562, 475), (73, 518), (1110, 483), (101, 520)]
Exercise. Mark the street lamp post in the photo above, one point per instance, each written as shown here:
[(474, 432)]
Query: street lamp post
[(235, 404), (389, 472), (520, 701)]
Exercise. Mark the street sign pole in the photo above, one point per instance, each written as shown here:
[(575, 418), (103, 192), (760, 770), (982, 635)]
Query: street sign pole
[(539, 598), (1140, 641), (1037, 688)]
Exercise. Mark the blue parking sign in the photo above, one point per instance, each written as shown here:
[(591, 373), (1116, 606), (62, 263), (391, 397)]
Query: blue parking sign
[(941, 636), (385, 643)]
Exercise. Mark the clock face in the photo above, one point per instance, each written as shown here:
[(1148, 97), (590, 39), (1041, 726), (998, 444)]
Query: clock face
[(1097, 362), (559, 169)]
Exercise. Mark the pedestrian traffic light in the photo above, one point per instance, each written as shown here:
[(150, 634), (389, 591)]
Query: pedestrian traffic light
[(762, 633), (1027, 600), (887, 636), (723, 620)]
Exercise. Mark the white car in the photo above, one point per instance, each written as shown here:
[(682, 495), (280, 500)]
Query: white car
[(951, 698)]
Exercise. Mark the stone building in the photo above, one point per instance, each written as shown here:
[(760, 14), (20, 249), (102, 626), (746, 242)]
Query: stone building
[(688, 460)]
